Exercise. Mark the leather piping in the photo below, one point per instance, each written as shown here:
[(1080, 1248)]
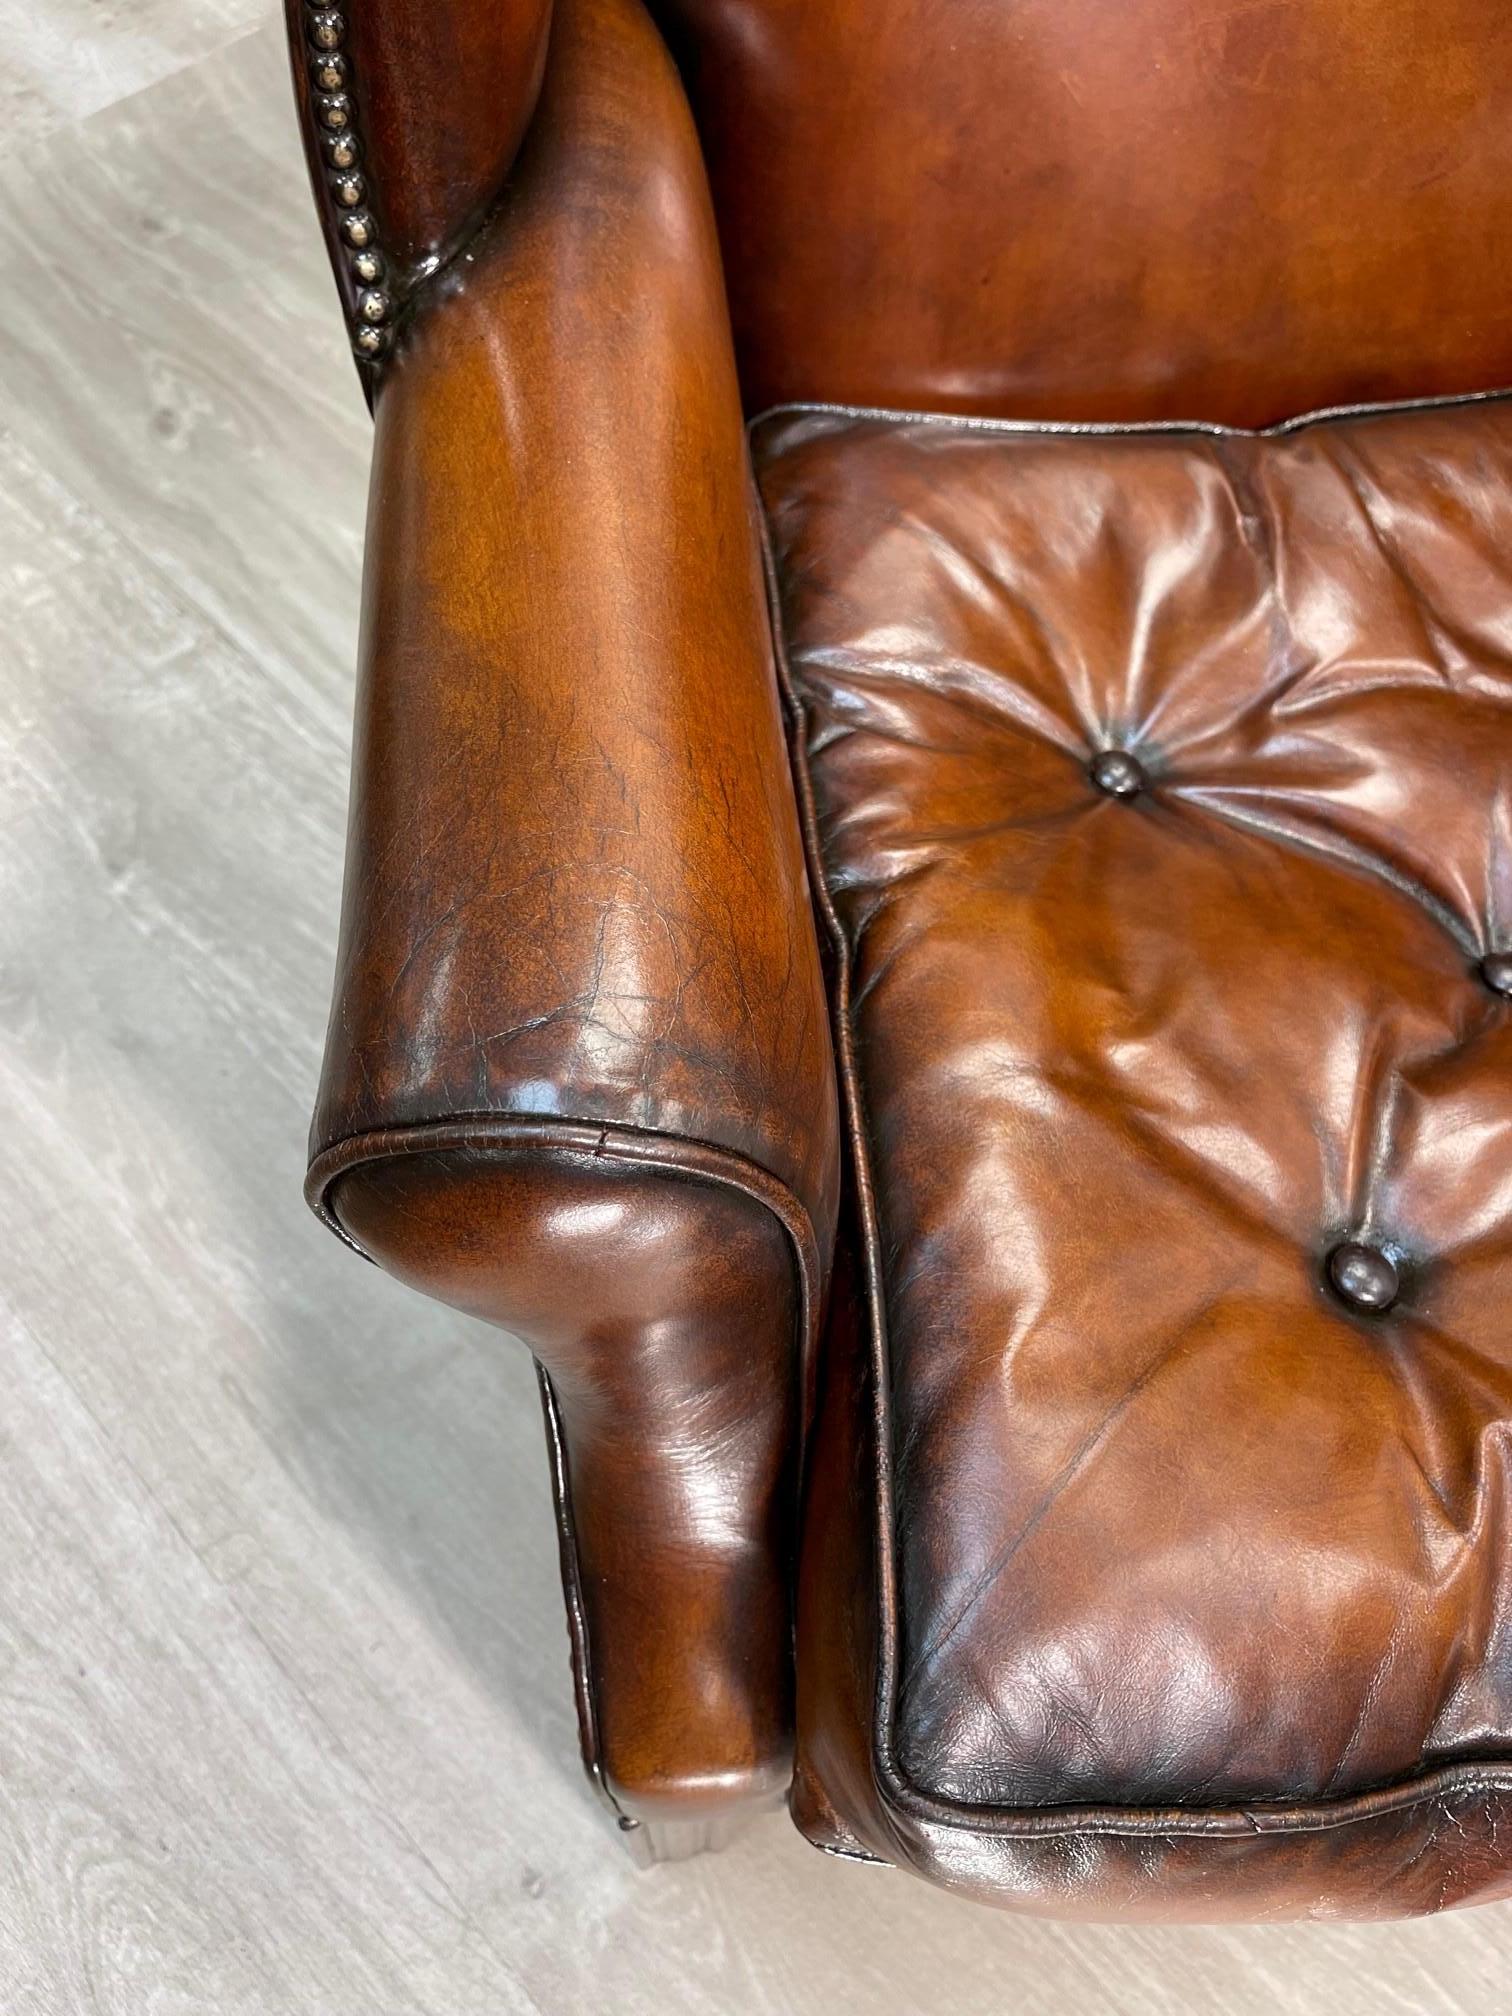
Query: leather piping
[(621, 1148), (898, 1791), (985, 423)]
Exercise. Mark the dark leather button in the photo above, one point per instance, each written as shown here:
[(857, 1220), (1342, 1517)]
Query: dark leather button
[(1363, 1277), (1496, 971), (1118, 773)]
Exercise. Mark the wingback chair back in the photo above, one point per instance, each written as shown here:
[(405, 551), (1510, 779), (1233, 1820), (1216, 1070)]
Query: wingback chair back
[(1062, 209), (1144, 210)]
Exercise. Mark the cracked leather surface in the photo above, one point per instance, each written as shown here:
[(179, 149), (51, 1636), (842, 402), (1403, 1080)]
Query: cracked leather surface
[(575, 883), (1174, 1526), (578, 1079)]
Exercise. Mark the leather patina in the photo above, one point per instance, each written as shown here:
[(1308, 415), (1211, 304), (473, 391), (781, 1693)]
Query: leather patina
[(1110, 803), (578, 1076), (1066, 210)]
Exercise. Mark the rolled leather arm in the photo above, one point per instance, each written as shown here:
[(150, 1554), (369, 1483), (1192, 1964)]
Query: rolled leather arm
[(578, 1078)]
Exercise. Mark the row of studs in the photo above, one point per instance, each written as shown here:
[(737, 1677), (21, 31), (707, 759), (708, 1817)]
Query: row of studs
[(326, 29)]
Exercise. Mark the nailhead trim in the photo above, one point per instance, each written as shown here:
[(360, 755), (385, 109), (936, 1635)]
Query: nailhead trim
[(341, 149)]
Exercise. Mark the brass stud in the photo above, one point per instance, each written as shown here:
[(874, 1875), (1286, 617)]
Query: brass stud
[(1118, 773), (1364, 1277), (327, 29)]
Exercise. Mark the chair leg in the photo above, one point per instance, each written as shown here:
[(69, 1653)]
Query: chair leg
[(652, 1841)]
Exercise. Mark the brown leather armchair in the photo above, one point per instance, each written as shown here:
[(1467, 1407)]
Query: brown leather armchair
[(1073, 716)]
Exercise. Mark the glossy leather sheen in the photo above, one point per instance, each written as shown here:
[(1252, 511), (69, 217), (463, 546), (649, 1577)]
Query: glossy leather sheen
[(444, 95), (575, 882), (1070, 209), (1144, 1574), (577, 924), (666, 1311)]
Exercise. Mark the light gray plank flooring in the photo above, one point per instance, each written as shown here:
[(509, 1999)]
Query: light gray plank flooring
[(64, 59), (284, 1716)]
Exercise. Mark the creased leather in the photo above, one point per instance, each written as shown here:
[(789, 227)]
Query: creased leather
[(575, 883), (1172, 1544)]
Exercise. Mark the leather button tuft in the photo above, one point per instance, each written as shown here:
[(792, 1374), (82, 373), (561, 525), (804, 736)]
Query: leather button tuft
[(1363, 1277), (1496, 971), (1118, 773)]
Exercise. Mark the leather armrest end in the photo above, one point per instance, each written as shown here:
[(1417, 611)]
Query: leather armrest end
[(665, 1308)]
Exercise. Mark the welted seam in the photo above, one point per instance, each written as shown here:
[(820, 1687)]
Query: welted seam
[(607, 1140), (986, 423)]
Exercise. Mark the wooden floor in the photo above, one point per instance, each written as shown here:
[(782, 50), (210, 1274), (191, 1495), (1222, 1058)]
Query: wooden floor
[(284, 1713)]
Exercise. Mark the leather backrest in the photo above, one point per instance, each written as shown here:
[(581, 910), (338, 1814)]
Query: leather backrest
[(1109, 209)]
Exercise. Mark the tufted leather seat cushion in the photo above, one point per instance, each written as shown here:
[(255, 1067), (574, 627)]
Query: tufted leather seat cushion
[(1161, 1518)]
